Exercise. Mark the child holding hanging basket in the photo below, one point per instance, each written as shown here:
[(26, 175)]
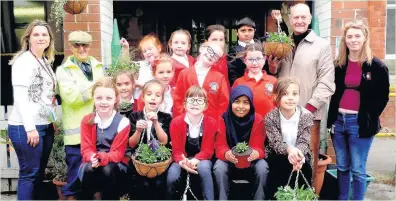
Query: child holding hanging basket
[(193, 138), (288, 137), (149, 133), (104, 135)]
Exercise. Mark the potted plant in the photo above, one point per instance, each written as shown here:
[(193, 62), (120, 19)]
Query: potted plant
[(57, 160), (323, 161), (278, 44), (151, 160), (242, 152), (287, 193), (123, 63), (59, 7)]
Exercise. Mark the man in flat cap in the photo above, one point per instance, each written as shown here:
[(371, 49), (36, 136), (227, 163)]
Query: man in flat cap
[(76, 77)]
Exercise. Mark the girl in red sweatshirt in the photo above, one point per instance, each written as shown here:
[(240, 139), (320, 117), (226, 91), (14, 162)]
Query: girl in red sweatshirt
[(179, 47), (104, 136), (193, 137), (202, 74), (240, 123)]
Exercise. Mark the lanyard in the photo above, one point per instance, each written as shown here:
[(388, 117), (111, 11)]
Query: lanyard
[(48, 71)]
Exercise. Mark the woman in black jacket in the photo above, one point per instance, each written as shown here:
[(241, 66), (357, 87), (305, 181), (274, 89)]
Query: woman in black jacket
[(362, 92)]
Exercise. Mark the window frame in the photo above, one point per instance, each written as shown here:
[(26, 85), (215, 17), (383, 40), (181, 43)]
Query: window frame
[(388, 7)]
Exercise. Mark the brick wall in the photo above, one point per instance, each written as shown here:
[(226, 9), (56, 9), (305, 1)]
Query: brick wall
[(388, 120), (374, 12), (89, 21)]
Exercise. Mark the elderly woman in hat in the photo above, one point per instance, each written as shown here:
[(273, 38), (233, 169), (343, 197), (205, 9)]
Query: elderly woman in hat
[(76, 77)]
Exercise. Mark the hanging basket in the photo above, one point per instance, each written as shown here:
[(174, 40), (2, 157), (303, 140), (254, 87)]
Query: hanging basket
[(151, 170), (75, 6), (277, 49)]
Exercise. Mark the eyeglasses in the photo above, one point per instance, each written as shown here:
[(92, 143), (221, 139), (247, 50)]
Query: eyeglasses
[(212, 53), (252, 60), (77, 45), (199, 101)]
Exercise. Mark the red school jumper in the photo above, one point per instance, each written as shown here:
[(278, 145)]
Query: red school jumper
[(178, 133), (178, 67), (215, 86), (256, 140), (222, 67), (262, 91), (88, 143)]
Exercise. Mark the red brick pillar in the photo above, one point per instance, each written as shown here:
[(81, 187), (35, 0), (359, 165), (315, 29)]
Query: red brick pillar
[(89, 21), (377, 19)]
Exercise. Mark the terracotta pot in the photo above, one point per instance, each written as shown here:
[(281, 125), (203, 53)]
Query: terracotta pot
[(75, 6), (324, 160), (242, 158), (59, 185)]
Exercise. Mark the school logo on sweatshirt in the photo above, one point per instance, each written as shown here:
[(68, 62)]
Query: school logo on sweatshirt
[(268, 89), (213, 87)]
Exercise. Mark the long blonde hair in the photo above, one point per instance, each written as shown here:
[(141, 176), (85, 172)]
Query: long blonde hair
[(49, 52), (365, 54)]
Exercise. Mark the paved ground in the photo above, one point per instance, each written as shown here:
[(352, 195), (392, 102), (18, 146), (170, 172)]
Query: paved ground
[(381, 164)]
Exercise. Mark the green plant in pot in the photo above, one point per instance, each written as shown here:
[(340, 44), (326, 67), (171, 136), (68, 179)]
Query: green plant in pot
[(57, 168), (287, 193), (152, 159), (242, 152)]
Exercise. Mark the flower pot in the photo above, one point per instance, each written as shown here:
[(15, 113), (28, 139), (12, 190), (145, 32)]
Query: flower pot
[(59, 185), (324, 160), (75, 6), (151, 170), (277, 49), (242, 158)]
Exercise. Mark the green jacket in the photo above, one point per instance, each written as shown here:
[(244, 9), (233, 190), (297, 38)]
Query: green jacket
[(76, 96)]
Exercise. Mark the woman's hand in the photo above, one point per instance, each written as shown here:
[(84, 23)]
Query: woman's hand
[(253, 156), (141, 125), (273, 63), (184, 164), (33, 138), (125, 46), (230, 157)]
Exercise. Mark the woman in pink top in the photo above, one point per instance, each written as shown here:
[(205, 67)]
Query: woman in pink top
[(362, 92)]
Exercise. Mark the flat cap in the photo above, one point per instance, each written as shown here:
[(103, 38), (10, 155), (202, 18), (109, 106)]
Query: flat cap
[(80, 37)]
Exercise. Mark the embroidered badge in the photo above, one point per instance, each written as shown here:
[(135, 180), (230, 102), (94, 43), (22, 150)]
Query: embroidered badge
[(213, 87), (368, 76), (268, 88)]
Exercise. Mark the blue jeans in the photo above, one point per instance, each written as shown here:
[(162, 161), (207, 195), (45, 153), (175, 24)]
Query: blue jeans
[(351, 153), (260, 168), (73, 161), (32, 160), (204, 170)]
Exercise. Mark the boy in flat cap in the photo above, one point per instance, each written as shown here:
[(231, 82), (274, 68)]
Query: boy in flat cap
[(76, 77)]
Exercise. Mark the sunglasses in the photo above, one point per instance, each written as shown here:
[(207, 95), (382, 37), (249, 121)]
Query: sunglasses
[(77, 45), (199, 101)]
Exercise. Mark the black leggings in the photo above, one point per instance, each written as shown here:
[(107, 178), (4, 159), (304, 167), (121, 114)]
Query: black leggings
[(103, 179), (280, 170)]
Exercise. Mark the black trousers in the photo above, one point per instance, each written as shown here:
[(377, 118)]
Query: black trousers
[(103, 179), (280, 170)]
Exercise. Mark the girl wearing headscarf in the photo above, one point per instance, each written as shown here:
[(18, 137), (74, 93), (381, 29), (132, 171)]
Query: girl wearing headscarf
[(240, 123)]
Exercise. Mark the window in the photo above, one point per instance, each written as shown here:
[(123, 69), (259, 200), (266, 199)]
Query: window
[(390, 42)]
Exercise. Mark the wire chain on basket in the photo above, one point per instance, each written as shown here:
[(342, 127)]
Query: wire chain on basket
[(278, 20), (188, 188), (296, 185), (141, 138)]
